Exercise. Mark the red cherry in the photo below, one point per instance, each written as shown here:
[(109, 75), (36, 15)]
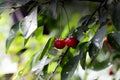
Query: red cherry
[(109, 23), (105, 41), (111, 72), (111, 47), (59, 43), (71, 41)]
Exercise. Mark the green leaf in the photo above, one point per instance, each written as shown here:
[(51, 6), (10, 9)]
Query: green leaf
[(83, 52), (114, 40), (29, 24), (99, 35), (69, 68), (26, 40), (100, 62), (115, 56), (116, 16), (96, 42), (93, 50), (40, 65), (13, 32), (97, 65), (39, 33), (79, 32), (21, 51), (47, 47), (39, 55)]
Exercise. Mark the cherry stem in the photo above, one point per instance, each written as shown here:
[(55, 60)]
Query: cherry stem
[(66, 16), (60, 31)]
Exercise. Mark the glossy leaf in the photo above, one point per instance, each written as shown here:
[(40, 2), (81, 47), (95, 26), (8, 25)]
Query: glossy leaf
[(115, 56), (96, 42), (13, 32), (83, 53), (79, 32), (39, 33), (97, 65), (26, 40), (116, 16), (39, 55), (47, 47), (69, 68), (29, 24), (21, 51), (114, 40), (40, 65)]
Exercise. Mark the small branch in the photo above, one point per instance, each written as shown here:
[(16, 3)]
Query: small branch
[(67, 17), (87, 22)]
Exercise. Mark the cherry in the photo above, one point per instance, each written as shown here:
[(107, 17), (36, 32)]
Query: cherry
[(111, 47), (109, 23), (71, 41), (105, 41), (59, 43), (111, 72)]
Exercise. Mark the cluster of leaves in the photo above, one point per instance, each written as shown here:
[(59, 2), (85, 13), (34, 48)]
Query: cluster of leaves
[(34, 19)]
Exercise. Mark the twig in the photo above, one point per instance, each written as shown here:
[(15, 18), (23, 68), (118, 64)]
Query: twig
[(87, 22), (66, 16)]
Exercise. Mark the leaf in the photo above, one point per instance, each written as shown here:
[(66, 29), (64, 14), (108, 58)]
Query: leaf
[(83, 52), (93, 50), (13, 32), (21, 51), (69, 68), (79, 32), (29, 24), (116, 16), (47, 47), (114, 40), (100, 34), (101, 61), (3, 5), (40, 65), (26, 40), (100, 65), (20, 13), (39, 33), (16, 2), (96, 42)]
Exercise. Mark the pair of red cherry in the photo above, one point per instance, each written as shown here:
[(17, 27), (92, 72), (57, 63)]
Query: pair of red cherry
[(70, 42)]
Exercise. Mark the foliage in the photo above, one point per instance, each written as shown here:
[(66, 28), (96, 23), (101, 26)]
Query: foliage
[(37, 23)]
